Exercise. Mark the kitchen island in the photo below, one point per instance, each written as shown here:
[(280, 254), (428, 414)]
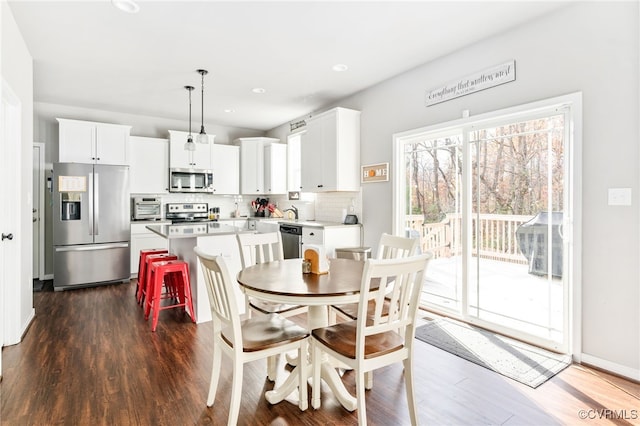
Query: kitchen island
[(213, 237)]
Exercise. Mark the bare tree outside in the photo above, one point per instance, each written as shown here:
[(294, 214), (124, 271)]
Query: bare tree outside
[(516, 172), (509, 166)]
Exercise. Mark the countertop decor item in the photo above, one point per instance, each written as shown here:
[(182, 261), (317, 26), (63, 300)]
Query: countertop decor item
[(316, 255), (351, 219)]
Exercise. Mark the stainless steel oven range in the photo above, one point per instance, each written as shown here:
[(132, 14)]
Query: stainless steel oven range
[(187, 212)]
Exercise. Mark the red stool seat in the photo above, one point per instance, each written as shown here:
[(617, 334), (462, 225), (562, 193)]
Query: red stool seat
[(175, 274), (151, 258), (142, 268)]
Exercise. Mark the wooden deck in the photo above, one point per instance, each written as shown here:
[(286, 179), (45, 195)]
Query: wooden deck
[(507, 294)]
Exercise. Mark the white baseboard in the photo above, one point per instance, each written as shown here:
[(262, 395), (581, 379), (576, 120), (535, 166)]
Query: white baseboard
[(48, 277), (23, 330), (622, 370), (27, 323)]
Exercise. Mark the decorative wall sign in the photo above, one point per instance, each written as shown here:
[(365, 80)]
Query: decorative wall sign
[(491, 77), (375, 173), (296, 125)]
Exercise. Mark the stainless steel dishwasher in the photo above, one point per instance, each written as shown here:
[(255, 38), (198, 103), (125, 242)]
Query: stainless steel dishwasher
[(291, 240)]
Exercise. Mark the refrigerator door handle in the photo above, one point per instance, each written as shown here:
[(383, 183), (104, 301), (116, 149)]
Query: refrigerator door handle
[(91, 247), (90, 202), (96, 202)]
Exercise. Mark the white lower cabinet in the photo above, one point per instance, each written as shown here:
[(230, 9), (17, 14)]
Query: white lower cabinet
[(267, 226), (332, 237), (142, 238)]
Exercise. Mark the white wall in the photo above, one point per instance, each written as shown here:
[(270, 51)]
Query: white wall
[(590, 47), (17, 70)]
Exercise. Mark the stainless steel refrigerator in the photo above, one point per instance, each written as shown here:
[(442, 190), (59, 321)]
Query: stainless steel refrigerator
[(91, 225)]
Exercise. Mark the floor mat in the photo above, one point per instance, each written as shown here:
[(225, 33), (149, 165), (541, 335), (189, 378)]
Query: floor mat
[(517, 360)]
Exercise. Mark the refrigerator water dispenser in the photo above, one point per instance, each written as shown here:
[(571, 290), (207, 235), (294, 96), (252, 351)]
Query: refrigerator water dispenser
[(70, 206)]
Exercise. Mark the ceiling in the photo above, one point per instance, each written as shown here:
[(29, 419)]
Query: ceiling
[(90, 54)]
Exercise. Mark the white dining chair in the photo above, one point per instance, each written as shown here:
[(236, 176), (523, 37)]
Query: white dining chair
[(256, 248), (260, 248), (376, 340), (259, 337), (389, 247)]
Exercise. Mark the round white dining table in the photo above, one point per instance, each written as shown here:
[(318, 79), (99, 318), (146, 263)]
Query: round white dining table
[(282, 281)]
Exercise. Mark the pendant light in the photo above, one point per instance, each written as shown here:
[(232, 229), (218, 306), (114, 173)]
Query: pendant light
[(202, 136), (189, 145)]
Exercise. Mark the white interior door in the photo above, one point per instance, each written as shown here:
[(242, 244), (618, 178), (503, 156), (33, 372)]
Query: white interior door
[(10, 120)]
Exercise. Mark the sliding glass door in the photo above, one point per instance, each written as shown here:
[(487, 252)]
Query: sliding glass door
[(433, 211), (489, 198), (517, 202)]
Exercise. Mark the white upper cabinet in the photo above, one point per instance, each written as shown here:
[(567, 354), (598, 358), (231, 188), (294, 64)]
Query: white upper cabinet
[(275, 168), (149, 171), (179, 158), (253, 169), (330, 155), (293, 162), (91, 142), (251, 165), (226, 169)]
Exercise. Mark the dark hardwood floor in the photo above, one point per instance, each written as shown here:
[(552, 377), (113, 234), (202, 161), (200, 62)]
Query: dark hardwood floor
[(89, 358)]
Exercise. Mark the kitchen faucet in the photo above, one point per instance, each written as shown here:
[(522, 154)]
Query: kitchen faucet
[(293, 209)]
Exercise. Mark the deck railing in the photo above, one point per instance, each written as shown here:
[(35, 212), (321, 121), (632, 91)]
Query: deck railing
[(494, 236)]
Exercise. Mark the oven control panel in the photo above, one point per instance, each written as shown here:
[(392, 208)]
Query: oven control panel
[(187, 207)]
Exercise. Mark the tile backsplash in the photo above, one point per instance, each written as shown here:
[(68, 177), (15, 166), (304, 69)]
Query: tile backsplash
[(333, 206), (329, 207)]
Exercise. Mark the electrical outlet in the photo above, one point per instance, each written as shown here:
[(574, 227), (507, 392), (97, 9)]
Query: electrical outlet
[(619, 196)]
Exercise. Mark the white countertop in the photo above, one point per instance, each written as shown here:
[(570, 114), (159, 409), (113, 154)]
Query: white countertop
[(314, 223), (192, 230), (302, 222)]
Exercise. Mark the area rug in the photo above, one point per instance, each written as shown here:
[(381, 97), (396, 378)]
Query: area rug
[(517, 360)]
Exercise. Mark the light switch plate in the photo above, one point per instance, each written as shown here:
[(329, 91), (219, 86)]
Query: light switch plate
[(619, 196)]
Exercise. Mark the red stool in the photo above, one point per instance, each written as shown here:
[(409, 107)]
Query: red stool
[(147, 276), (175, 272), (142, 268)]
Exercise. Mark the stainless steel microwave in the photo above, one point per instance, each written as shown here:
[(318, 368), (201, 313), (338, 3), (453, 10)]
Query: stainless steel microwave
[(190, 180)]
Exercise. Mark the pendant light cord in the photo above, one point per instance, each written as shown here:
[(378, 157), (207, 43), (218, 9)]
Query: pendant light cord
[(190, 89), (189, 137), (202, 105), (202, 137)]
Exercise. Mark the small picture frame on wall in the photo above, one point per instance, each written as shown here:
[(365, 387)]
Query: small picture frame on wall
[(375, 173)]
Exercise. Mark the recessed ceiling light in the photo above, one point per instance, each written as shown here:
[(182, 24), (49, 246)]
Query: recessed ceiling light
[(258, 90), (229, 110), (339, 67), (128, 6)]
